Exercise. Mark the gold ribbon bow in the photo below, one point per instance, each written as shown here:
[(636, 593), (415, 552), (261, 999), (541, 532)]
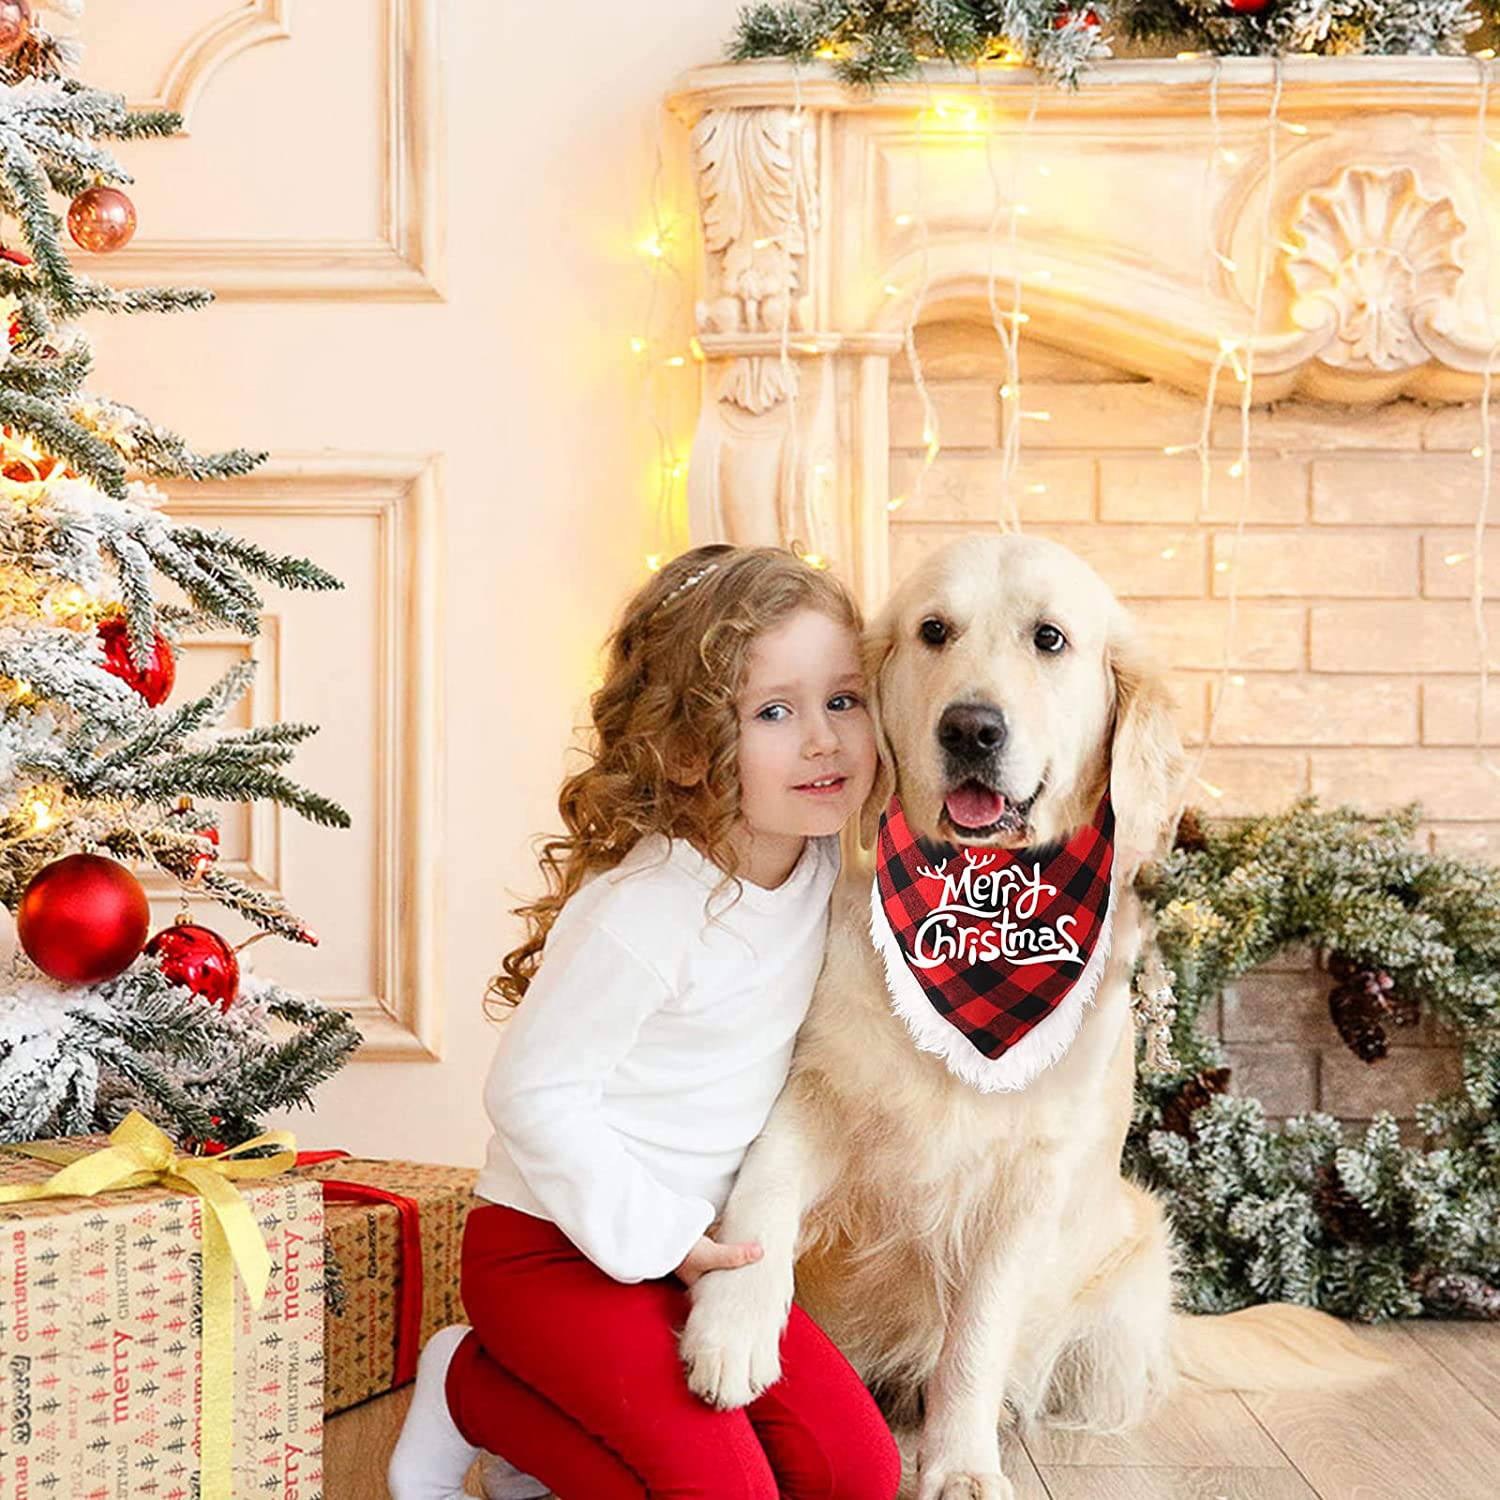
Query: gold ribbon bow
[(140, 1155)]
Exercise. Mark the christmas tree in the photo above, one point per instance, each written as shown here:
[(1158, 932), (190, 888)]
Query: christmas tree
[(98, 768)]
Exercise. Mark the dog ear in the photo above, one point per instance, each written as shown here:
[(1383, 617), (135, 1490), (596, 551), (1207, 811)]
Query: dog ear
[(1146, 759), (876, 649)]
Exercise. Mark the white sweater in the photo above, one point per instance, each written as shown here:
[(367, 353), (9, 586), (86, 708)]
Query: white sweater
[(649, 1049)]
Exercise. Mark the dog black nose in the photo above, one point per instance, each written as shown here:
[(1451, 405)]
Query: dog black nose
[(971, 731)]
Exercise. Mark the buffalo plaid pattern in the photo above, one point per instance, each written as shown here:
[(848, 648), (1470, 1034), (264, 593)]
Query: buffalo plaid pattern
[(995, 1003)]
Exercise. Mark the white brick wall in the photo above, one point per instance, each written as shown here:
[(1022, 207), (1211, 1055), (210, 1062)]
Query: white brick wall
[(1354, 631)]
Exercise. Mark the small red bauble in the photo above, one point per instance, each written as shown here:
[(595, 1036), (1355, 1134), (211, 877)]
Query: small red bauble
[(199, 959), (15, 257), (83, 918), (1246, 7), (101, 218), (154, 681), (15, 26), (1090, 19)]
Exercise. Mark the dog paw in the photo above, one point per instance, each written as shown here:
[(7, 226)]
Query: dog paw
[(731, 1345), (967, 1487)]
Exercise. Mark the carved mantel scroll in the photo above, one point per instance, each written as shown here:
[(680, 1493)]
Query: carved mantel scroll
[(1358, 224)]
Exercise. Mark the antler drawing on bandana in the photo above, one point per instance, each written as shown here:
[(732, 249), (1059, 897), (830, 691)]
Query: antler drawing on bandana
[(930, 873), (977, 863)]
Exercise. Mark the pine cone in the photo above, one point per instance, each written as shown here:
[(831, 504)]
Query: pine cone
[(1362, 1002), (1345, 1218), (1457, 1294), (1177, 1114), (1190, 832)]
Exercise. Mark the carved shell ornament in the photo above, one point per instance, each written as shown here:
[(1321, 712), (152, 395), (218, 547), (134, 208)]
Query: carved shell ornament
[(1374, 260)]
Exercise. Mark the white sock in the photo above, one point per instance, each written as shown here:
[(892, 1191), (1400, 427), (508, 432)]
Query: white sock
[(432, 1457), (502, 1480)]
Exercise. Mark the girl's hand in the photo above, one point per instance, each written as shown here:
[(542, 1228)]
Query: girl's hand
[(709, 1255)]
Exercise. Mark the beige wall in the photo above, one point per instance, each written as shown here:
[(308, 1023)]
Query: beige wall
[(521, 379)]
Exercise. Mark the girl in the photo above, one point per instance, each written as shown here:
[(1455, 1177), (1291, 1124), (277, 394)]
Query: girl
[(731, 744)]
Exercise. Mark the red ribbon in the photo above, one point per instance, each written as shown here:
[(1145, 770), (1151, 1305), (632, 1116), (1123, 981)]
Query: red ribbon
[(409, 1305)]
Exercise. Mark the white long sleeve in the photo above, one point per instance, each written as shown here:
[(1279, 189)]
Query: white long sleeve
[(581, 1016), (649, 1049)]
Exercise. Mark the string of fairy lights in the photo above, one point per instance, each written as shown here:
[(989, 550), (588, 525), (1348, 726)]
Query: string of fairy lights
[(1235, 351)]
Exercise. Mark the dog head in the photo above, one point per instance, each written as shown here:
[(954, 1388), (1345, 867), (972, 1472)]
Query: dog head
[(1007, 685)]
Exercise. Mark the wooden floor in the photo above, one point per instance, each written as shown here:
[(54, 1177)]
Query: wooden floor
[(1430, 1432)]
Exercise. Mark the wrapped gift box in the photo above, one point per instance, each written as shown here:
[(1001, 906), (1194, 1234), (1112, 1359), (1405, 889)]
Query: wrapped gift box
[(397, 1260), (101, 1347)]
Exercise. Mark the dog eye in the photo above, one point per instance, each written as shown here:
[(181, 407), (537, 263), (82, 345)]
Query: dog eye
[(933, 631), (1050, 639)]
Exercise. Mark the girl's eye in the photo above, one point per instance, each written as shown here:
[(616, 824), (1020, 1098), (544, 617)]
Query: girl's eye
[(933, 631), (851, 699), (1050, 639), (773, 708)]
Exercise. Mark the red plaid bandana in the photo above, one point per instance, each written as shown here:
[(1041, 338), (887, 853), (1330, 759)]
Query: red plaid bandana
[(991, 955)]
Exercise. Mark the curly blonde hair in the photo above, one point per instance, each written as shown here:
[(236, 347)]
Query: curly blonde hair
[(663, 747)]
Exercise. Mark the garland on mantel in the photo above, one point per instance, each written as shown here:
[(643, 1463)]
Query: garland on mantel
[(870, 42)]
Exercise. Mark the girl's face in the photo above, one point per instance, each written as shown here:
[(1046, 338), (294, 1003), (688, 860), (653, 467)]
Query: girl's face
[(807, 745)]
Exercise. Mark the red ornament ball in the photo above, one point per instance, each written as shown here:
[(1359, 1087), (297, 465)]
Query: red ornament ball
[(1090, 18), (1247, 7), (15, 26), (153, 681), (83, 918), (101, 218), (200, 959)]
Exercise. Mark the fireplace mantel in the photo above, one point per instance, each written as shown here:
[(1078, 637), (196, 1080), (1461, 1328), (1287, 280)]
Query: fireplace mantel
[(1343, 253)]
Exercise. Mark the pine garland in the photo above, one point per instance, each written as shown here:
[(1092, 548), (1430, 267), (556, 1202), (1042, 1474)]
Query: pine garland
[(1362, 1227), (874, 42)]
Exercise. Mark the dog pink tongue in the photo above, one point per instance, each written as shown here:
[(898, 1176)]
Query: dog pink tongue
[(974, 806)]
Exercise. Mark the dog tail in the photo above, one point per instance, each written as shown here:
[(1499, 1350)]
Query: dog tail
[(1274, 1347)]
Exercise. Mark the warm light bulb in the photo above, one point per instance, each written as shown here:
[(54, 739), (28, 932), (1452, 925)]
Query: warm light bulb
[(814, 560), (1228, 156), (1209, 787), (1037, 416), (676, 361), (902, 219), (40, 811), (1477, 451), (1452, 558), (1036, 489), (892, 291), (1169, 552), (1221, 567), (1174, 448), (1236, 468), (1238, 679), (896, 504), (653, 561), (637, 346)]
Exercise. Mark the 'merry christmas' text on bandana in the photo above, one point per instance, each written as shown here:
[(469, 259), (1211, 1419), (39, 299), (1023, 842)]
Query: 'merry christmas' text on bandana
[(991, 955)]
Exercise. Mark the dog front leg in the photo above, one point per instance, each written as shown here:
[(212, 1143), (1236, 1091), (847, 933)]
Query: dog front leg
[(958, 1456), (731, 1343)]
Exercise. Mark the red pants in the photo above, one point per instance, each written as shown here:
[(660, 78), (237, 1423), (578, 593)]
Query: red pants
[(575, 1378)]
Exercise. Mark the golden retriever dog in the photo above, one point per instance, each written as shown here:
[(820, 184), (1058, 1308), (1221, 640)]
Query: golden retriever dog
[(971, 1251)]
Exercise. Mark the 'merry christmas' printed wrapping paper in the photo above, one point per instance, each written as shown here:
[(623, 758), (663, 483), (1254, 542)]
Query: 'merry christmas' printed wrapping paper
[(101, 1354)]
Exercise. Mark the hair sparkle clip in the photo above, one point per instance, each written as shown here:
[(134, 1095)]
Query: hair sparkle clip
[(687, 583)]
